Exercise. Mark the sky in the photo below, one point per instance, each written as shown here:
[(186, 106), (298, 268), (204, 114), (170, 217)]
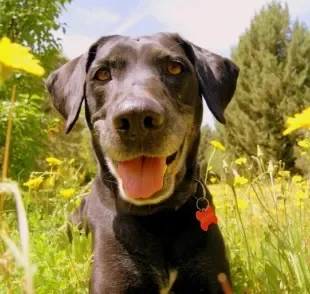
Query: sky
[(212, 24)]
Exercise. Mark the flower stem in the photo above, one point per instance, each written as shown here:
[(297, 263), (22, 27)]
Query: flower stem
[(5, 165), (207, 171), (249, 255)]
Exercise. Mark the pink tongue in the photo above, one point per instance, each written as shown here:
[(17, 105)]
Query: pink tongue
[(142, 176)]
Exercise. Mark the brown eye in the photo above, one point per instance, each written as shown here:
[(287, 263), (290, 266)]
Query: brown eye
[(175, 68), (103, 75)]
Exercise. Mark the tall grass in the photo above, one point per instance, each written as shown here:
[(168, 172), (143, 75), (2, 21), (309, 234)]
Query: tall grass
[(264, 218)]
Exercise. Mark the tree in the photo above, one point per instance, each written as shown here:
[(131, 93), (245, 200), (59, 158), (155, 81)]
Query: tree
[(274, 60), (30, 23)]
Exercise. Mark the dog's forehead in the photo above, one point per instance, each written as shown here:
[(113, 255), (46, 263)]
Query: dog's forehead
[(123, 46)]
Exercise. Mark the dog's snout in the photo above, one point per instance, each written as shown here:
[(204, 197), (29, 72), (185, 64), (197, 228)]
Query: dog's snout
[(138, 116)]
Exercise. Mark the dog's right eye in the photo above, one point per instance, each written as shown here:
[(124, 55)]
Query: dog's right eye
[(175, 68), (103, 75)]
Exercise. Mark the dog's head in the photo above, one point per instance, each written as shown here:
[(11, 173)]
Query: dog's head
[(143, 99)]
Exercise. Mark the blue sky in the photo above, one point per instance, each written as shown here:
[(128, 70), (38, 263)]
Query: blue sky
[(213, 24)]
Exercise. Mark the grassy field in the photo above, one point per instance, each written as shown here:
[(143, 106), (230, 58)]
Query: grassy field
[(265, 221)]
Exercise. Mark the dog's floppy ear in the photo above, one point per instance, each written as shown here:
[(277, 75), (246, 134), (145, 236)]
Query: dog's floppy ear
[(217, 78), (66, 86)]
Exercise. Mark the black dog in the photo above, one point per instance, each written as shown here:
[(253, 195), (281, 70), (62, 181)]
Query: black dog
[(143, 105)]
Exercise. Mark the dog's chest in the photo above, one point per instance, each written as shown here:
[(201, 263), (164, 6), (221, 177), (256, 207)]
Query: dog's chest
[(168, 284)]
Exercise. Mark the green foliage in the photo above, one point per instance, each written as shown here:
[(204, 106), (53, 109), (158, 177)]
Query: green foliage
[(31, 23), (206, 152), (61, 266), (28, 136), (274, 58), (265, 223)]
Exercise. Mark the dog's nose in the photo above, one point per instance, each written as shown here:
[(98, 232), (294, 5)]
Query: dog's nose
[(138, 115)]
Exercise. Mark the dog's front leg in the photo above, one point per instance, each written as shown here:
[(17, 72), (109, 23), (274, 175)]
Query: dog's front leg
[(117, 271)]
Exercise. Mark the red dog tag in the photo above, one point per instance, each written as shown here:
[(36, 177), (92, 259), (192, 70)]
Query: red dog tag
[(206, 217)]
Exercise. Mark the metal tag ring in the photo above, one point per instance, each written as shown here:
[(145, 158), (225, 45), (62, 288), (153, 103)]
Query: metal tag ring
[(198, 202)]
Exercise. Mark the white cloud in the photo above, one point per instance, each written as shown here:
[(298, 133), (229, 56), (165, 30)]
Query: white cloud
[(75, 45), (215, 25), (96, 14), (134, 17)]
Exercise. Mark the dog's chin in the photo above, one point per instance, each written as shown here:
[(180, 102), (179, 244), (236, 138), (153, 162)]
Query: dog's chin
[(174, 163)]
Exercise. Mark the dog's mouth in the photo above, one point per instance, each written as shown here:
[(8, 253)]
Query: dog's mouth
[(143, 176)]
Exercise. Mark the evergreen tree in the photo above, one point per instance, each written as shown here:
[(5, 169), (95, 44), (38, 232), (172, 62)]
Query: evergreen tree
[(274, 60)]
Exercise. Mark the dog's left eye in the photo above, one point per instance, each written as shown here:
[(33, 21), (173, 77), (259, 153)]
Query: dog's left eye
[(175, 68), (103, 75)]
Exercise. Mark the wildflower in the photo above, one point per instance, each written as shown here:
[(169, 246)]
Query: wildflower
[(284, 173), (50, 181), (53, 161), (304, 143), (296, 179), (239, 180), (213, 180), (15, 56), (300, 195), (241, 160), (299, 204), (242, 203), (281, 207), (274, 211), (34, 183), (218, 145), (67, 193), (300, 120)]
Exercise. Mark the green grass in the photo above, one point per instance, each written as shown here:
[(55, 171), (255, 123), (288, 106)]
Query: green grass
[(266, 226)]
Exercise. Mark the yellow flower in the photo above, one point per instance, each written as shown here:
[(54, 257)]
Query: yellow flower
[(242, 203), (300, 120), (297, 179), (241, 160), (304, 143), (300, 195), (15, 56), (284, 173), (210, 167), (50, 181), (217, 145), (281, 207), (34, 183), (67, 193), (299, 204), (240, 180), (274, 211), (213, 180), (53, 161)]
